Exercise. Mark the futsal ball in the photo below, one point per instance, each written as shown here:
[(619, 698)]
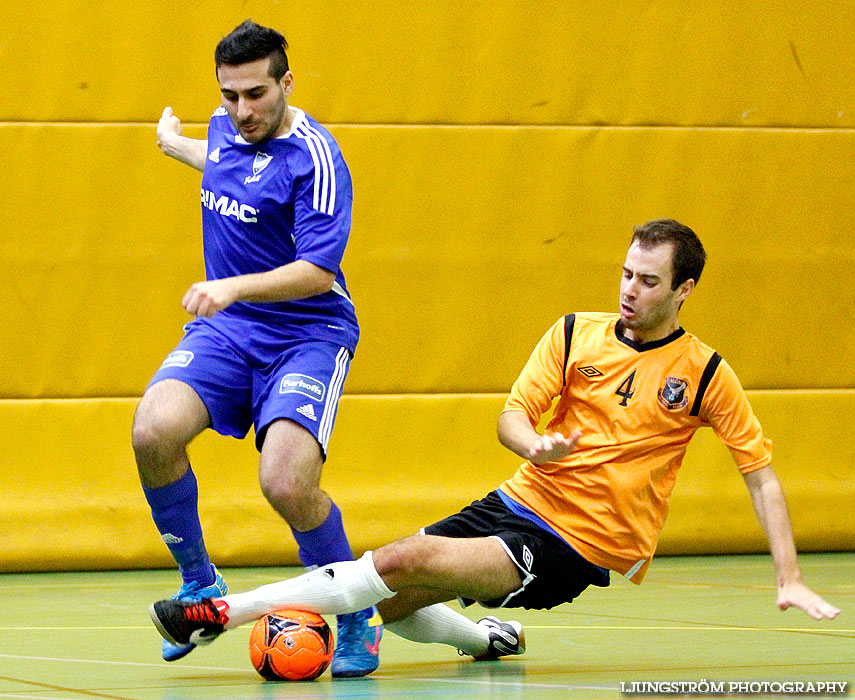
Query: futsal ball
[(291, 645)]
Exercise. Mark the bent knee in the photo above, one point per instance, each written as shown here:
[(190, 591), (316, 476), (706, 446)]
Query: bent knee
[(281, 491), (290, 494), (152, 433), (168, 416), (145, 434), (405, 559)]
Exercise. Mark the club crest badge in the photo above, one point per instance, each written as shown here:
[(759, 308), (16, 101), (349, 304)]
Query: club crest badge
[(262, 160), (673, 395)]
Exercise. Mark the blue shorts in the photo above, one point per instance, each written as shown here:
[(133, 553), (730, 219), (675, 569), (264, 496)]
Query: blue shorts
[(247, 373)]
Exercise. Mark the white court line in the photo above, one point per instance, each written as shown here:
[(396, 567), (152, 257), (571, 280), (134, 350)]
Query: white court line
[(71, 628), (118, 663), (665, 628), (247, 581), (680, 628), (522, 685)]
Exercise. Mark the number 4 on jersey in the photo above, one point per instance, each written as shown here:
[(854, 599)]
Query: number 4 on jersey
[(626, 390)]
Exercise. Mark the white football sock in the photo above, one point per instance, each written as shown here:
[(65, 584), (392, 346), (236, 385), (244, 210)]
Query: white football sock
[(343, 587), (439, 623)]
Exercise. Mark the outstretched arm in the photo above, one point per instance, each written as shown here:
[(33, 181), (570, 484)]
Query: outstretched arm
[(189, 151), (771, 508), (516, 433)]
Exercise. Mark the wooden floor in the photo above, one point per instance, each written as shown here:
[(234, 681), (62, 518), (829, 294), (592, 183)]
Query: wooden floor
[(87, 635)]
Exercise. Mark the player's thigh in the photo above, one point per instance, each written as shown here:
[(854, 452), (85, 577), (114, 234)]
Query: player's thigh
[(219, 373), (477, 567), (550, 571), (170, 411)]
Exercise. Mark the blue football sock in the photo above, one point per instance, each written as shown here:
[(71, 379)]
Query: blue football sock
[(175, 511), (326, 543)]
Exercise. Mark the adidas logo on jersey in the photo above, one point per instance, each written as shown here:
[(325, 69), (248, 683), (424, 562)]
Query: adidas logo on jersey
[(215, 155), (307, 411)]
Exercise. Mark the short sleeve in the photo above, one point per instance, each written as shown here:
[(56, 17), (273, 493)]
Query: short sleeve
[(542, 378), (726, 409), (322, 208)]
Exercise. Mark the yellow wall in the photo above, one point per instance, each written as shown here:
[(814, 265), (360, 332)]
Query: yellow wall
[(694, 63), (75, 503), (500, 157)]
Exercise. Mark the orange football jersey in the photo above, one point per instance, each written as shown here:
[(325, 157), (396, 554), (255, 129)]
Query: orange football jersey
[(637, 406)]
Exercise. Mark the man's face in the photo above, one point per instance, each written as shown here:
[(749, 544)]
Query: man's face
[(648, 305), (256, 102)]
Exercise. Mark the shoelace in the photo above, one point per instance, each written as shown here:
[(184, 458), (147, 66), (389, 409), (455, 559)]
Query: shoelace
[(188, 590), (346, 640), (205, 611)]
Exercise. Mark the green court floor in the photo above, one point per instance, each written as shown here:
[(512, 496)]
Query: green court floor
[(88, 635)]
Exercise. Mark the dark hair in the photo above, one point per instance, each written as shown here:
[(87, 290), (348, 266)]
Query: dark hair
[(689, 254), (251, 42)]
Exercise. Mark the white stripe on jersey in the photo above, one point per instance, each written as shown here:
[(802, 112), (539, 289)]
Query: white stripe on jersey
[(333, 395), (314, 155), (313, 140), (324, 193), (326, 148)]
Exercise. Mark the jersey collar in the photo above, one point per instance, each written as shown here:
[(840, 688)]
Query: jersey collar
[(653, 344), (299, 118)]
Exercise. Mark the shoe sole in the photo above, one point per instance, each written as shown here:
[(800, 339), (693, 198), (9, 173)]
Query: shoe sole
[(152, 613), (181, 652), (521, 636), (352, 674)]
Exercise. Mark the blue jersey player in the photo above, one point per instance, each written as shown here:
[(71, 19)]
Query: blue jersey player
[(274, 328)]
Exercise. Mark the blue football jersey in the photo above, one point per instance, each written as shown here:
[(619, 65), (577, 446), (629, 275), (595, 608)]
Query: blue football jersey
[(268, 204)]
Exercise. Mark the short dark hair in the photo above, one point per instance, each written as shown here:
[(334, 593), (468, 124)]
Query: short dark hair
[(251, 42), (689, 254)]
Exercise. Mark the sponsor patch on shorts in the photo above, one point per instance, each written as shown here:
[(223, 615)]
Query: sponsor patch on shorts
[(179, 358), (303, 384)]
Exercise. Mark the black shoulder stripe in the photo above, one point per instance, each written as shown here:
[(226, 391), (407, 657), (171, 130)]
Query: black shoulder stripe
[(569, 320), (706, 378)]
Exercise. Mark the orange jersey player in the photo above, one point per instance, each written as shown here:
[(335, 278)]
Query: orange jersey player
[(637, 405), (632, 389), (592, 496)]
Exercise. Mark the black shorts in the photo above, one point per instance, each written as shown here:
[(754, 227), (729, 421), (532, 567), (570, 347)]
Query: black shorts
[(552, 571)]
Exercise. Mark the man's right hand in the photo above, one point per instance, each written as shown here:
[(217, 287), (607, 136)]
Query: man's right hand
[(551, 446), (189, 151), (168, 128)]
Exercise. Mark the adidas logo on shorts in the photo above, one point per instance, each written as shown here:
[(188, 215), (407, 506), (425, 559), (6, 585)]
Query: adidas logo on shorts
[(308, 411)]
